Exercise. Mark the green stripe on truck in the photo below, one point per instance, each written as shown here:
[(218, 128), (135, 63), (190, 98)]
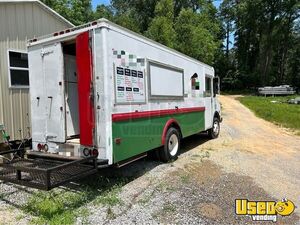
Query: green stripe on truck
[(137, 136)]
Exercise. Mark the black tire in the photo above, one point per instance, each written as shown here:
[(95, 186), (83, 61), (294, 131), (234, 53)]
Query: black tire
[(171, 147), (214, 132)]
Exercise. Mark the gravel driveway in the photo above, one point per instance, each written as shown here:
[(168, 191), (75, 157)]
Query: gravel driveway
[(252, 159)]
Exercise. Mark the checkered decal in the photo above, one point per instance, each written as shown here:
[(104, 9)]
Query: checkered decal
[(128, 60)]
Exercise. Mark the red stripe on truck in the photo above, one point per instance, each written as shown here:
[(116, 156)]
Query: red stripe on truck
[(155, 113), (84, 72)]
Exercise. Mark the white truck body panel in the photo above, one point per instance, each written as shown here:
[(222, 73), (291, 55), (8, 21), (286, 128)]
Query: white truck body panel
[(172, 91)]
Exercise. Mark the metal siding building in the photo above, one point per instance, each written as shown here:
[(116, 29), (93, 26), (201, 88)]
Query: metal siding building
[(20, 21)]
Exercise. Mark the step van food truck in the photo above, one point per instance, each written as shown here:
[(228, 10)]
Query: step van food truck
[(102, 92)]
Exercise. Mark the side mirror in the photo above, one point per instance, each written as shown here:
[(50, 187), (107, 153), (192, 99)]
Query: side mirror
[(216, 83)]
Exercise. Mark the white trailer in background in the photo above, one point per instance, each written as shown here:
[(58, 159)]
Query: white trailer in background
[(103, 91), (277, 90)]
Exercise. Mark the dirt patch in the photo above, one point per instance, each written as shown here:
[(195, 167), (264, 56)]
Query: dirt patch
[(262, 150), (195, 170), (200, 192), (211, 211)]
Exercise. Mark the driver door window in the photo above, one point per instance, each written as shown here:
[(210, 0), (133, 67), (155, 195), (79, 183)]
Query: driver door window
[(208, 87)]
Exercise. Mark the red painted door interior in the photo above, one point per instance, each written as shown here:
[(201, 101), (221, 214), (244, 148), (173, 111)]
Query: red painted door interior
[(85, 93)]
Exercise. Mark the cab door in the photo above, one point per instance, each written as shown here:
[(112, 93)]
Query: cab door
[(53, 72), (208, 95)]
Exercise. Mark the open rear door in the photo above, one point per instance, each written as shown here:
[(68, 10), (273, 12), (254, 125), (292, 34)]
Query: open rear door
[(53, 69), (85, 88)]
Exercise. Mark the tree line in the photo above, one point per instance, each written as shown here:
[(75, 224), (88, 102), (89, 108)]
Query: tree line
[(250, 43)]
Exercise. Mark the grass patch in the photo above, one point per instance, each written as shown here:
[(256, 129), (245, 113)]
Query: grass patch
[(55, 207), (63, 206), (110, 197), (164, 186), (110, 215), (20, 217), (168, 207), (185, 178), (280, 113), (146, 199)]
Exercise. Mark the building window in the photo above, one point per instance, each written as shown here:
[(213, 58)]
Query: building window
[(18, 69)]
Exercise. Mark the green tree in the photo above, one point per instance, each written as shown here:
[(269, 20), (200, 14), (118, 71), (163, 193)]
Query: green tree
[(225, 58), (76, 11), (266, 34), (293, 59), (185, 4), (161, 27), (81, 11), (104, 11), (263, 34), (128, 21), (227, 15), (139, 13), (193, 38)]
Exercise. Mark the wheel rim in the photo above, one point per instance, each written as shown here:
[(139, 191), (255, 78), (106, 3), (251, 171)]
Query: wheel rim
[(216, 128), (173, 144)]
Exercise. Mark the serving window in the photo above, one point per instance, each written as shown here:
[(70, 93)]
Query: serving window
[(165, 81)]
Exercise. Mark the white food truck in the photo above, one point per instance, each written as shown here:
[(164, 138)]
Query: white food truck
[(104, 92)]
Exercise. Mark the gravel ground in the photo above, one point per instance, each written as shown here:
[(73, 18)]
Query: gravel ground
[(251, 159), (12, 197)]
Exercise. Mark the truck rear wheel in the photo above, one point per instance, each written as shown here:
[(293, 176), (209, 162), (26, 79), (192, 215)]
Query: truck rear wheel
[(172, 145), (215, 130)]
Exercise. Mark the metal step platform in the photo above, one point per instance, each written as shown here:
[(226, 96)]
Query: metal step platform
[(46, 173)]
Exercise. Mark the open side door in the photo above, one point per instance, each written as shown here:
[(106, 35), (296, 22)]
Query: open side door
[(85, 89), (53, 71)]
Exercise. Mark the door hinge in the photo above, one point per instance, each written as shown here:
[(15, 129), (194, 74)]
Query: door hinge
[(92, 92), (91, 43)]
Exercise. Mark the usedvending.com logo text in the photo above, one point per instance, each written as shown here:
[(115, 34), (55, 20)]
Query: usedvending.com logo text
[(264, 210)]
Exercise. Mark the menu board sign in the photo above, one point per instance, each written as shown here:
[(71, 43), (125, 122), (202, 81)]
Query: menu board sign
[(129, 85)]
